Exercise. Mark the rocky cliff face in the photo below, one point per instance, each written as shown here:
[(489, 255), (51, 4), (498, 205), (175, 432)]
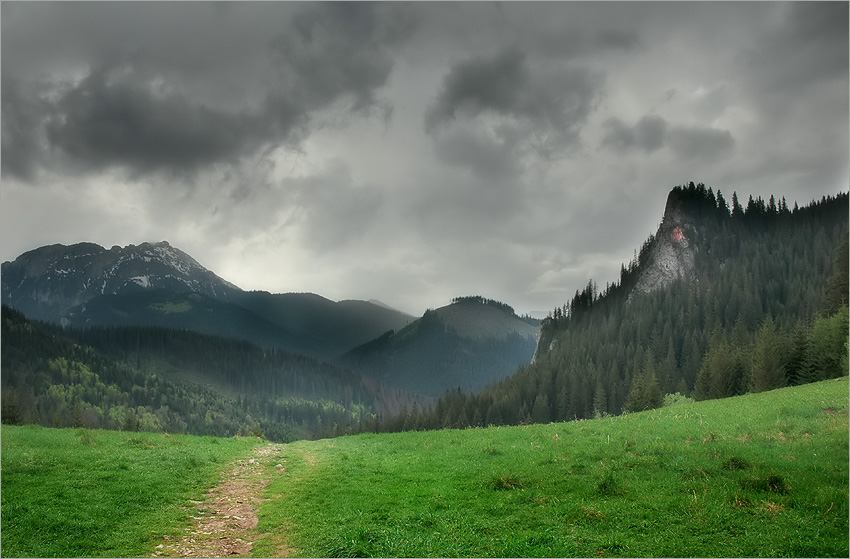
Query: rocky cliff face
[(44, 283), (671, 253)]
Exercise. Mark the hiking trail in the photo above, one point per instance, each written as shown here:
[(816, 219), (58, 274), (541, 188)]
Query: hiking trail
[(225, 522)]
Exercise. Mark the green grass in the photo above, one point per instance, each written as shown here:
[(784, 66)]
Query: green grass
[(757, 475), (93, 493)]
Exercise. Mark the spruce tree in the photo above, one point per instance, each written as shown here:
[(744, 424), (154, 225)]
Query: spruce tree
[(768, 371), (839, 282), (600, 400), (645, 394), (798, 366), (828, 346), (541, 412)]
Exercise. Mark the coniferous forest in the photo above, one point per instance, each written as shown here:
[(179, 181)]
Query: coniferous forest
[(767, 308)]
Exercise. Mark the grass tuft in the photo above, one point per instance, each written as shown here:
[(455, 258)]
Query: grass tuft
[(771, 483), (608, 486), (492, 451), (505, 483), (734, 463)]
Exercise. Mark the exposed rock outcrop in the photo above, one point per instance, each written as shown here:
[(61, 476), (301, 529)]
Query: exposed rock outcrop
[(671, 252)]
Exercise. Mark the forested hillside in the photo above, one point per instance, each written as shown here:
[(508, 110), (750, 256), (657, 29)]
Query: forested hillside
[(156, 379), (466, 344), (764, 307)]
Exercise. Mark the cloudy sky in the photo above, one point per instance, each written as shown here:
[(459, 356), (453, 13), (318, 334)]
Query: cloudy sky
[(409, 152)]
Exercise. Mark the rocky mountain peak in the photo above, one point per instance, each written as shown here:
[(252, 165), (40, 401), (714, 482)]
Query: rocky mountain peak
[(44, 283)]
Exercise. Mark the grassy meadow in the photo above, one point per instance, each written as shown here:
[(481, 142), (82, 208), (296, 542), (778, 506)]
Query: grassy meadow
[(756, 475), (94, 493)]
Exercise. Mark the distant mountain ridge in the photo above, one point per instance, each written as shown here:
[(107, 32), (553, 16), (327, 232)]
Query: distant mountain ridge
[(466, 344), (155, 284)]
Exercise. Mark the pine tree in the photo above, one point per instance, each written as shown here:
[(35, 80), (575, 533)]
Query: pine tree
[(828, 349), (798, 367), (722, 206), (645, 393), (737, 210), (10, 412), (768, 370), (839, 282), (600, 400), (540, 412), (722, 373)]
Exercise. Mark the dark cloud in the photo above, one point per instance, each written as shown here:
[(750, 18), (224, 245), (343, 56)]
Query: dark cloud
[(489, 155), (115, 117), (558, 99), (702, 142), (809, 45), (491, 113), (610, 38), (481, 84), (137, 109), (647, 134), (652, 132), (577, 42), (336, 49), (22, 116)]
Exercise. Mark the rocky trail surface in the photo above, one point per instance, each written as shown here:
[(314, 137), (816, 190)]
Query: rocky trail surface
[(225, 522)]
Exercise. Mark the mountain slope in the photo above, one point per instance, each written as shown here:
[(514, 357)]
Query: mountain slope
[(762, 475), (46, 282), (186, 310), (468, 344), (159, 285), (327, 327)]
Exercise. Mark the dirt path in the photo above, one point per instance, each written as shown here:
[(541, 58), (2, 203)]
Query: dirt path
[(226, 520)]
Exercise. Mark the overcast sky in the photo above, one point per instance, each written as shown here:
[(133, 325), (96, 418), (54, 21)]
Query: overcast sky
[(409, 152)]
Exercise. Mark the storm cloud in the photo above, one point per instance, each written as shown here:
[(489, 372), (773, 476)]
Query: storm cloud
[(142, 114), (647, 134), (492, 113), (409, 152), (652, 132), (114, 116)]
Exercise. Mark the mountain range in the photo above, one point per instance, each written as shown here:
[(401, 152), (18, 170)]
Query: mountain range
[(155, 284), (719, 301), (467, 343)]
